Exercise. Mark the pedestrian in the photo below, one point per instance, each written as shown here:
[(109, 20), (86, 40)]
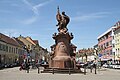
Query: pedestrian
[(95, 64), (27, 66), (22, 66)]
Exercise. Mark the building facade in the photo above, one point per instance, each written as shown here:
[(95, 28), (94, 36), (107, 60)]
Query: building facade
[(9, 50), (117, 42), (29, 47), (19, 49), (105, 43), (34, 51)]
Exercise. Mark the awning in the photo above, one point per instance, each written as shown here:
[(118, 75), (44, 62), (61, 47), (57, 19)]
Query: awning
[(106, 58), (102, 59), (117, 58), (90, 58)]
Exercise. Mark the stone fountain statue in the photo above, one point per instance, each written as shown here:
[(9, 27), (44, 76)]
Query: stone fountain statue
[(63, 49), (63, 20)]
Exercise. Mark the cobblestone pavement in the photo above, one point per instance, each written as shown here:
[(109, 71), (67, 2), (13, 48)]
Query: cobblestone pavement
[(15, 74)]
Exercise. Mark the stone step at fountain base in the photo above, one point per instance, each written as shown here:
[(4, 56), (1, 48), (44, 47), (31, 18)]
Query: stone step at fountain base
[(61, 70)]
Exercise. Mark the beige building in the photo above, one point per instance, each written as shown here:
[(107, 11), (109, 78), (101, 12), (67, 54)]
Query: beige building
[(34, 51), (117, 42), (18, 49), (21, 51), (29, 46), (9, 50)]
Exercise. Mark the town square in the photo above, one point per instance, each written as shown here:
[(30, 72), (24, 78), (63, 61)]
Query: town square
[(54, 40)]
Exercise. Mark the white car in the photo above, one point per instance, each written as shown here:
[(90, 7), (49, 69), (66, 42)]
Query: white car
[(117, 66), (105, 65)]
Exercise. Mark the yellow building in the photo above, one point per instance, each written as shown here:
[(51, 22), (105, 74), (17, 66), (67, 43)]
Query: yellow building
[(36, 52), (117, 43), (29, 48)]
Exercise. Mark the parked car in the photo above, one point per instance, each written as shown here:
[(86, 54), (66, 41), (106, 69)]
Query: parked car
[(6, 65), (116, 66), (105, 65), (1, 66), (80, 64), (90, 65)]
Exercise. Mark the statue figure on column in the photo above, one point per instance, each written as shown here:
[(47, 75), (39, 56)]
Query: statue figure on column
[(63, 20)]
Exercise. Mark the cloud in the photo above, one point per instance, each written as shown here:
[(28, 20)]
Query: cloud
[(30, 6), (34, 10), (91, 16), (10, 32), (30, 20), (16, 33), (35, 7)]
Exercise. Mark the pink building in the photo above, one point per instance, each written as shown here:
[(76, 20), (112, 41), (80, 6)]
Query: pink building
[(105, 44)]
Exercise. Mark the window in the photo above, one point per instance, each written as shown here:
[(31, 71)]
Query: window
[(113, 37), (104, 45), (107, 44), (6, 48), (110, 52), (9, 49), (113, 45), (14, 50), (110, 43), (104, 37), (0, 46), (28, 46)]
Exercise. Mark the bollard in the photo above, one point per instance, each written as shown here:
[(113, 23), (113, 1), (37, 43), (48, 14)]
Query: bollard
[(91, 69), (27, 70), (95, 69), (38, 70), (53, 70), (69, 71), (84, 70)]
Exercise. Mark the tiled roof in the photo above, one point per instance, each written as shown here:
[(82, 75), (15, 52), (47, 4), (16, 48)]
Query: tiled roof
[(30, 40), (36, 41), (19, 42), (110, 29), (117, 28), (8, 40)]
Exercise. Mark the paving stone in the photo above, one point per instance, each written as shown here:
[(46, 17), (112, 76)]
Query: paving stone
[(15, 74)]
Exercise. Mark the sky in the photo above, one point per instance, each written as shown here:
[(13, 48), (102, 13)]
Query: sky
[(37, 19)]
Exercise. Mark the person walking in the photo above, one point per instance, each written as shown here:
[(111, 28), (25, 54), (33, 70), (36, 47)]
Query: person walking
[(95, 65), (27, 66)]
